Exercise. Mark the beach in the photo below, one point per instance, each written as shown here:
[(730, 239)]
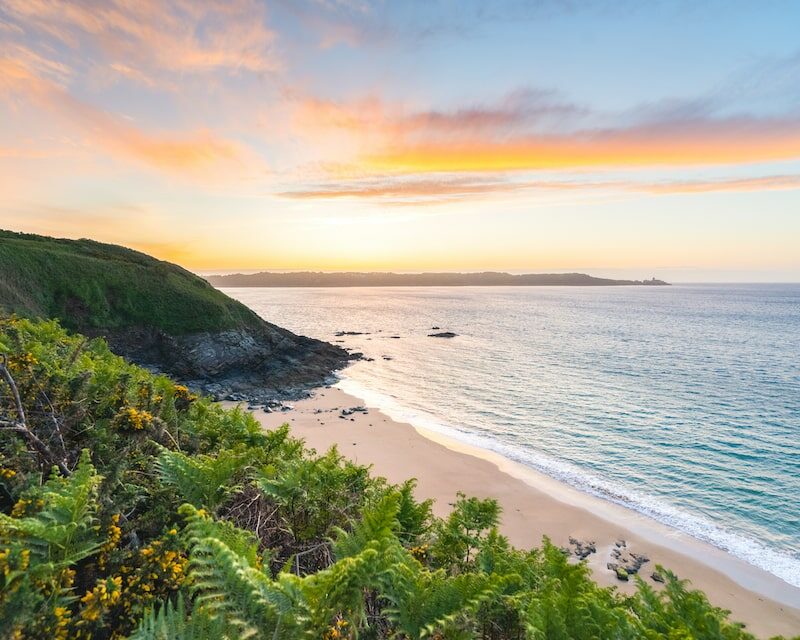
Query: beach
[(535, 505)]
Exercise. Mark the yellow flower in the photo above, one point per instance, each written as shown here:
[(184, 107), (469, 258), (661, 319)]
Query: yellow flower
[(114, 534), (20, 507), (7, 473), (133, 418)]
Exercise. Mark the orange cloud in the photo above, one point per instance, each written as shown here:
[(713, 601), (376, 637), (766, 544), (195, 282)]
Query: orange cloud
[(731, 141), (530, 131), (154, 36), (397, 191), (187, 153)]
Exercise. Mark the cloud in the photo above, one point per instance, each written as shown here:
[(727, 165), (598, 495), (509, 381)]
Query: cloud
[(400, 190), (376, 23), (675, 143), (152, 37), (536, 130), (188, 153), (391, 190), (522, 109), (762, 183)]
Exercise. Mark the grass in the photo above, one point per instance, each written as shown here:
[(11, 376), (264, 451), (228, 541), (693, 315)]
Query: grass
[(90, 285)]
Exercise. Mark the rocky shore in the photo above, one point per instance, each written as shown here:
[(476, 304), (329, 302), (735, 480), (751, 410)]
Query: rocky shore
[(255, 365)]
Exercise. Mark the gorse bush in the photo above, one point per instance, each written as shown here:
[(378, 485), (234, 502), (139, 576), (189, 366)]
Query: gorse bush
[(131, 508)]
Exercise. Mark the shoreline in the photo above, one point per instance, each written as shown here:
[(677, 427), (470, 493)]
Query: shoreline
[(535, 504)]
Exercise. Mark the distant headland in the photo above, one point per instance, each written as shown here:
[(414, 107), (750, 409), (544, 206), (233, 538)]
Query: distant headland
[(387, 279)]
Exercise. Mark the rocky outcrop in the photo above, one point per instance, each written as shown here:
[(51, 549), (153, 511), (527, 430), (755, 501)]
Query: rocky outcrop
[(258, 364)]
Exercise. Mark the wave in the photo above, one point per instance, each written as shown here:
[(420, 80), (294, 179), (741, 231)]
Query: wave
[(755, 552)]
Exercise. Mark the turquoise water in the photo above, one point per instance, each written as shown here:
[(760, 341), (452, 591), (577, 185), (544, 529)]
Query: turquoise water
[(681, 402)]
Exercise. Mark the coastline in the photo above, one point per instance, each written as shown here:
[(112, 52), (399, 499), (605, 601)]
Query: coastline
[(535, 504)]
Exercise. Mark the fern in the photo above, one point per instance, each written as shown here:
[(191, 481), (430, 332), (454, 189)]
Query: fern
[(203, 480), (172, 622), (61, 532)]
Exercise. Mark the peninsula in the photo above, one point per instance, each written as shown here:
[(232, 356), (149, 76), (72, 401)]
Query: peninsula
[(387, 279)]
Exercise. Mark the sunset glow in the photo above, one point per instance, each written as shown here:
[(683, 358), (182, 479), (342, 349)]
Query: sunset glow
[(409, 136)]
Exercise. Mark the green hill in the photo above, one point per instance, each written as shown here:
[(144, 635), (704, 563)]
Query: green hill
[(90, 285), (159, 315)]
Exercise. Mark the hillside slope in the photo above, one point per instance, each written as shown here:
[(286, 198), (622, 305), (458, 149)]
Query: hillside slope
[(158, 314)]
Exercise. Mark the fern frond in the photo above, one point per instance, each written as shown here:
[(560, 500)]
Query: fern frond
[(171, 622), (61, 531), (205, 481)]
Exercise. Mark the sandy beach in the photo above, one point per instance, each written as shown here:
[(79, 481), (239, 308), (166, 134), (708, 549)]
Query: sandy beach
[(535, 505)]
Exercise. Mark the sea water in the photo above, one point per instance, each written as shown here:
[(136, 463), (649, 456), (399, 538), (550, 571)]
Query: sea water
[(680, 402)]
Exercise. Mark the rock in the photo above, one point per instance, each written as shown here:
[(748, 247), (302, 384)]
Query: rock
[(435, 328), (657, 577), (267, 410), (247, 364), (395, 337), (352, 410), (443, 334), (387, 357), (622, 574), (612, 566), (339, 334)]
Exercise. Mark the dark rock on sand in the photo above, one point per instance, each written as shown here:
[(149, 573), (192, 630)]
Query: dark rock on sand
[(352, 410), (443, 334), (582, 549)]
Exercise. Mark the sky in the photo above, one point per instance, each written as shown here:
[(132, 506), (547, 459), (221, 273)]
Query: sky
[(619, 138)]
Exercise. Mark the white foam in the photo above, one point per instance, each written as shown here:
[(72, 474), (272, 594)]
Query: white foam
[(779, 564)]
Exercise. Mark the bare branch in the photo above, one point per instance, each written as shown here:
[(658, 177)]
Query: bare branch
[(20, 425)]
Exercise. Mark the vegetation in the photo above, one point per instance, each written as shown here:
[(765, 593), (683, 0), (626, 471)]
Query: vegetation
[(131, 508), (90, 285)]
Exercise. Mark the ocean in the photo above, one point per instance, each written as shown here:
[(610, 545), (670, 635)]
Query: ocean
[(681, 402)]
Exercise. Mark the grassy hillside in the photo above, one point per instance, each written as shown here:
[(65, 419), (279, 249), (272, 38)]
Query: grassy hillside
[(90, 285), (167, 517)]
